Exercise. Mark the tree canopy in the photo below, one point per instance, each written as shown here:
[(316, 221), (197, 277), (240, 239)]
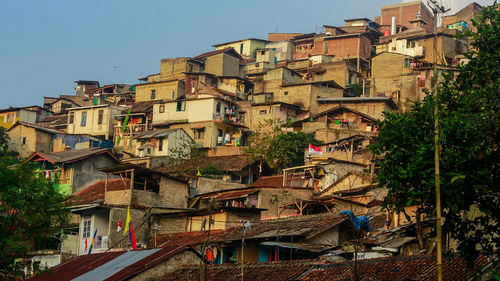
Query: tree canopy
[(468, 111), (281, 150), (32, 212)]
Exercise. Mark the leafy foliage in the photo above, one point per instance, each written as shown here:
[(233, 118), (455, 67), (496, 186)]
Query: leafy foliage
[(469, 157), (280, 149), (32, 212), (4, 141)]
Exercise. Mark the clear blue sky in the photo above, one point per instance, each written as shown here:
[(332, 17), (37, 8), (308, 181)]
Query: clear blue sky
[(46, 45)]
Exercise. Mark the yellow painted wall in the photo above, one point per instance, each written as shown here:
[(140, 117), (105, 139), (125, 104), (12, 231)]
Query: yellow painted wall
[(163, 90), (91, 127)]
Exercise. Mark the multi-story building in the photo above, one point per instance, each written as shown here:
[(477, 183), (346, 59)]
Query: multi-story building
[(245, 47), (28, 114), (93, 120)]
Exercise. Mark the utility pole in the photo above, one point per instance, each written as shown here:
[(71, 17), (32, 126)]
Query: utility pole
[(437, 8)]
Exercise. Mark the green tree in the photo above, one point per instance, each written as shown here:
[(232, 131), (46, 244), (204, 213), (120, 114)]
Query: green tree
[(4, 141), (32, 213), (278, 149), (468, 124)]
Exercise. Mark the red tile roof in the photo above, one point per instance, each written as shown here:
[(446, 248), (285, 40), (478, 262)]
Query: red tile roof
[(95, 192), (268, 181), (393, 268)]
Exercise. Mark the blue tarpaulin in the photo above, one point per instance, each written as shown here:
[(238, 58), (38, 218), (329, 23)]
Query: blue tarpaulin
[(361, 222)]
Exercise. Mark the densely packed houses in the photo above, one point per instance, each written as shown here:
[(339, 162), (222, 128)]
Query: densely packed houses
[(171, 151)]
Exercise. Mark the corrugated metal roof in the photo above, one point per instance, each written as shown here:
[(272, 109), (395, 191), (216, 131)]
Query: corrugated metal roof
[(116, 265)]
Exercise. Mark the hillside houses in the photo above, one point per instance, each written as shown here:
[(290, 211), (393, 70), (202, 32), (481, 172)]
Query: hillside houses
[(173, 148)]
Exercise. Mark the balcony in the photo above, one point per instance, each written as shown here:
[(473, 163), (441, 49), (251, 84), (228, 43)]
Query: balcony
[(132, 129)]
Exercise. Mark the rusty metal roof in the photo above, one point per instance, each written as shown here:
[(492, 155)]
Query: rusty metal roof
[(110, 265)]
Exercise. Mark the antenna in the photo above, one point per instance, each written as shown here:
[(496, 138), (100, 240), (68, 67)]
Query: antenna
[(115, 68)]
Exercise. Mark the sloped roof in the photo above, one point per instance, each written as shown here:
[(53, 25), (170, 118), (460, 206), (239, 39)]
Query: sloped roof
[(80, 101), (71, 155), (143, 106), (395, 268), (268, 181), (94, 193), (390, 269), (229, 50), (232, 163), (341, 108), (38, 127), (54, 120), (275, 271), (110, 265), (306, 226)]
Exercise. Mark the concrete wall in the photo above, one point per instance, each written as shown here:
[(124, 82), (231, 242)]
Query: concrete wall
[(92, 127), (35, 141), (284, 49), (163, 90), (284, 196), (196, 110), (389, 74), (120, 214), (249, 47), (405, 12), (168, 266), (223, 65), (343, 47), (206, 185), (99, 221), (85, 171)]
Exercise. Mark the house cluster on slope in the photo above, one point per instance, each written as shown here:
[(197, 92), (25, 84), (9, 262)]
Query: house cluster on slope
[(117, 147)]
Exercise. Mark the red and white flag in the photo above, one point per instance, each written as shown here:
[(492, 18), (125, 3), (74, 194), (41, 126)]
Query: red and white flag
[(315, 150), (119, 228)]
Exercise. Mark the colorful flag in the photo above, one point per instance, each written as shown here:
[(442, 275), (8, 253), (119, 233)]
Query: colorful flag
[(127, 222), (132, 237), (93, 239), (199, 173), (119, 228), (315, 150)]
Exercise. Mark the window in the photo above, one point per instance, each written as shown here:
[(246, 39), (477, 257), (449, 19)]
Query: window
[(325, 47), (162, 108), (160, 145), (24, 140), (84, 119), (100, 116), (263, 112), (217, 107), (11, 117), (241, 48), (153, 94), (190, 68), (86, 226), (71, 117), (286, 93), (199, 133), (181, 105), (173, 95)]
